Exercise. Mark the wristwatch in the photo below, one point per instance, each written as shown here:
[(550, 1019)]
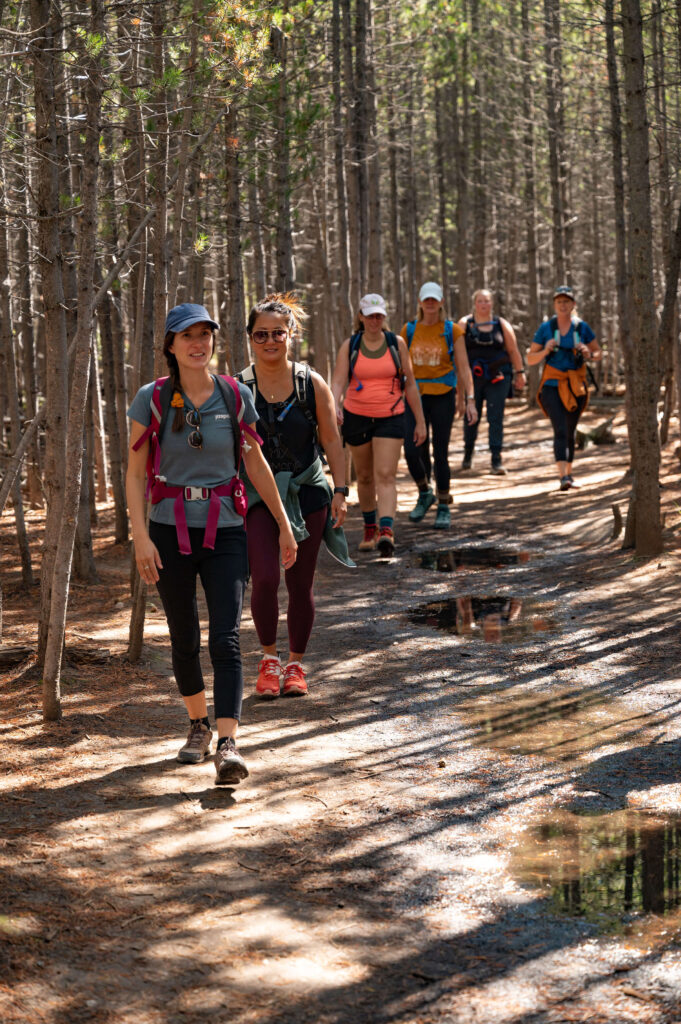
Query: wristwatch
[(341, 490)]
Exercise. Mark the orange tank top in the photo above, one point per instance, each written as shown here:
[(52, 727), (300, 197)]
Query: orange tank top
[(374, 389)]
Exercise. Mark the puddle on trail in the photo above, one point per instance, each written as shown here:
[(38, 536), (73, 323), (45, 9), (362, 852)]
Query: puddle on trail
[(607, 868), (449, 559), (495, 619), (561, 724)]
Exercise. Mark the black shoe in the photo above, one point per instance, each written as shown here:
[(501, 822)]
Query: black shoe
[(565, 483), (466, 464), (230, 767)]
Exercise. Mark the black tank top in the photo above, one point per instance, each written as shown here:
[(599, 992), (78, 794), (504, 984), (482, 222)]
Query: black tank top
[(485, 345), (289, 442)]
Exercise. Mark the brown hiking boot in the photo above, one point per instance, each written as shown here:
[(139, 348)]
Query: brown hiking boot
[(197, 747), (230, 767), (370, 538)]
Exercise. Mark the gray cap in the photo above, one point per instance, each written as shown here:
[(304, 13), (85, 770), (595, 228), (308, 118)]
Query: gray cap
[(188, 313)]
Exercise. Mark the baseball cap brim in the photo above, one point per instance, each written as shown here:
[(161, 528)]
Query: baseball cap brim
[(181, 317)]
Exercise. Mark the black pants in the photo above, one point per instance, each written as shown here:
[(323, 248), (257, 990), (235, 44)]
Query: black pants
[(439, 413), (223, 573), (564, 423), (495, 396)]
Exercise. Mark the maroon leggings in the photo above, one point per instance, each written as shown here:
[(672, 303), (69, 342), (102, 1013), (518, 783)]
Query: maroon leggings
[(263, 556)]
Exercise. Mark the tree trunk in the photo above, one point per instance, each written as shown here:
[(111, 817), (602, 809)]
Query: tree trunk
[(237, 349), (373, 163), (343, 255), (533, 313), (79, 386), (554, 117), (285, 266), (8, 368), (644, 527), (44, 14)]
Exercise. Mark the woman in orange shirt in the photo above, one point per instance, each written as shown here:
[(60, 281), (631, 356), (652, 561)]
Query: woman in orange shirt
[(374, 371), (438, 352)]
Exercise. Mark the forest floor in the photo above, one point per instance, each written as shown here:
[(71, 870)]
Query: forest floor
[(477, 826)]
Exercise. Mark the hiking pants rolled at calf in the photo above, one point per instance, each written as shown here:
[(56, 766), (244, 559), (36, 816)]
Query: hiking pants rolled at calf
[(564, 423), (439, 415), (223, 572), (494, 395)]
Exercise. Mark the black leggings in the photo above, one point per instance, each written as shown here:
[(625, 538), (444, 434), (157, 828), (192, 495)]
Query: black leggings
[(439, 413), (564, 423), (223, 573)]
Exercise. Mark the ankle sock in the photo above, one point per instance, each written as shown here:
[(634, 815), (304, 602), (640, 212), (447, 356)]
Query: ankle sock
[(223, 740), (369, 518), (386, 521), (424, 487), (204, 721)]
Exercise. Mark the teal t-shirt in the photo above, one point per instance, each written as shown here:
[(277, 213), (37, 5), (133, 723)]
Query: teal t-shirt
[(562, 358), (209, 466)]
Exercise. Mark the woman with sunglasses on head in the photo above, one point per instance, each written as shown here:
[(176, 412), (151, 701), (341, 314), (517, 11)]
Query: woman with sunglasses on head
[(495, 360), (296, 416), (374, 371), (195, 528)]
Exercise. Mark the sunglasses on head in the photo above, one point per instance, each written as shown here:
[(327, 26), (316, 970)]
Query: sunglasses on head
[(279, 334), (193, 419)]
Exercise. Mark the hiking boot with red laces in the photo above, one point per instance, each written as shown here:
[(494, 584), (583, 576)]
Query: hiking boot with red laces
[(294, 680), (269, 676), (230, 767), (386, 542), (368, 541), (197, 746)]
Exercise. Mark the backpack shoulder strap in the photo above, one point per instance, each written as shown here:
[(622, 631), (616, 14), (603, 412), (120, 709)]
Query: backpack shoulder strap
[(449, 337), (353, 352), (411, 327), (229, 389), (393, 348), (302, 380)]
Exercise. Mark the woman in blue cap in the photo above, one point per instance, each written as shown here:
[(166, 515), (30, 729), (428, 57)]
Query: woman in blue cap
[(197, 521), (564, 344)]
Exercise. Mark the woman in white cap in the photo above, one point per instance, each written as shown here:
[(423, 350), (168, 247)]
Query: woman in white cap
[(438, 354), (565, 344), (495, 360), (374, 372)]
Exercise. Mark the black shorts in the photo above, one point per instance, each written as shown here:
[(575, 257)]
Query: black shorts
[(358, 430)]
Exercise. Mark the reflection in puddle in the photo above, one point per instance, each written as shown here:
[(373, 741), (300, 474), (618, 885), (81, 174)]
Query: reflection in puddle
[(561, 723), (495, 619), (605, 867), (449, 559)]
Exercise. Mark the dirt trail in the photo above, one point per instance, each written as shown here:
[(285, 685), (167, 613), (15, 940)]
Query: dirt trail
[(391, 856)]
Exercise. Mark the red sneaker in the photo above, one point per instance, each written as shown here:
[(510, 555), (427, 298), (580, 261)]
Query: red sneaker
[(294, 680), (368, 541), (269, 675)]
